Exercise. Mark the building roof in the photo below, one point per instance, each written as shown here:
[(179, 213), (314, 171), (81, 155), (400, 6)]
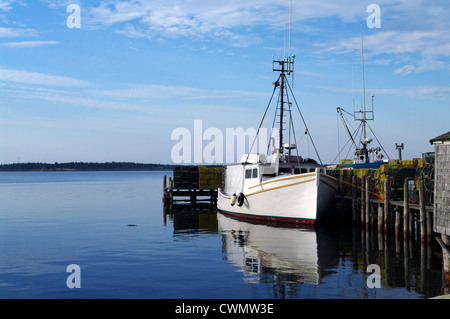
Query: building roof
[(441, 138)]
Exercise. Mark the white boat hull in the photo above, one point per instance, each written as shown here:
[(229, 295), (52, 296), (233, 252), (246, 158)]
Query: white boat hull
[(288, 200)]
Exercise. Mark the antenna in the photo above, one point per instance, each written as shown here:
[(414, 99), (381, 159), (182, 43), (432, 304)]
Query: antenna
[(290, 27), (364, 84), (353, 90)]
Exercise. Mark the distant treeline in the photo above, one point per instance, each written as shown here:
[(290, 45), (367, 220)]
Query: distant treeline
[(82, 166)]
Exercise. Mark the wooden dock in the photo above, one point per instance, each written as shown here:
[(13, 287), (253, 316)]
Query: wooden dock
[(370, 210), (396, 206), (396, 196), (192, 185)]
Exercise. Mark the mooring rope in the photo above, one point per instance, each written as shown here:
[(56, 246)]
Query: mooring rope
[(356, 186)]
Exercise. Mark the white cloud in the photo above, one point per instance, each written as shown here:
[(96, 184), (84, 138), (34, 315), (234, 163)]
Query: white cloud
[(413, 32), (421, 92), (433, 42), (63, 97), (205, 16), (417, 92), (150, 91), (421, 27), (131, 31), (119, 11), (28, 44), (40, 78), (17, 32), (195, 18), (5, 5), (405, 70), (429, 50)]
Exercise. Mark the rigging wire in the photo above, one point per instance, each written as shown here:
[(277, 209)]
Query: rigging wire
[(354, 136), (304, 122), (381, 142), (345, 124), (343, 147), (338, 143), (262, 120), (291, 126), (256, 136), (274, 119)]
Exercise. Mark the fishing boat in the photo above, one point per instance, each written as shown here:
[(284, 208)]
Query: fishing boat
[(280, 188), (366, 155)]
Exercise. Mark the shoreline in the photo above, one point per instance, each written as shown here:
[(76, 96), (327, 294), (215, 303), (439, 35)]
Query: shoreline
[(83, 166)]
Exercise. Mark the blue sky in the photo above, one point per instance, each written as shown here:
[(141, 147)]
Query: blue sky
[(118, 86)]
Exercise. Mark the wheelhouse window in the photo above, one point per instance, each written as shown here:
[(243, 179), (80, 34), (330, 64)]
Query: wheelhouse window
[(251, 173)]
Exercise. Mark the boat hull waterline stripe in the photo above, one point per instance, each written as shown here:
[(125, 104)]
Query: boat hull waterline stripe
[(268, 219)]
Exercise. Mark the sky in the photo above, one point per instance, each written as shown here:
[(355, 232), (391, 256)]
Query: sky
[(117, 85)]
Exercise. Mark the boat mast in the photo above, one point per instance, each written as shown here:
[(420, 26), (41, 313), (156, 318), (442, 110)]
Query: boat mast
[(281, 107), (286, 62), (285, 66), (366, 157), (290, 27)]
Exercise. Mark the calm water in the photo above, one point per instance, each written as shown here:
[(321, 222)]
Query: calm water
[(49, 220)]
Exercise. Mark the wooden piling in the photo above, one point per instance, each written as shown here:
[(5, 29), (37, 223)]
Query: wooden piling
[(423, 218), (194, 185), (165, 197), (412, 227), (354, 202), (367, 208), (170, 193), (380, 228), (444, 242), (406, 262), (387, 189), (405, 208), (363, 200), (429, 225), (193, 197), (397, 222), (380, 218)]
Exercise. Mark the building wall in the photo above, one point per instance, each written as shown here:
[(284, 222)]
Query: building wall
[(442, 189)]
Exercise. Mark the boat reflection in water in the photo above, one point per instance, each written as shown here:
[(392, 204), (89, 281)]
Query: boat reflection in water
[(290, 255), (329, 261)]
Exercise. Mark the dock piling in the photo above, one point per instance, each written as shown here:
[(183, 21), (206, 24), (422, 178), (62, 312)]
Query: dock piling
[(423, 218), (363, 200), (194, 184), (406, 212), (387, 190), (380, 218), (367, 202), (397, 222), (354, 201)]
